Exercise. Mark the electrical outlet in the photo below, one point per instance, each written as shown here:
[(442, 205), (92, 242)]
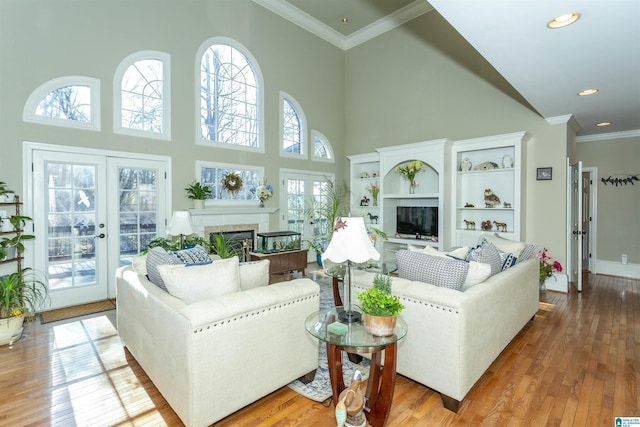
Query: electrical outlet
[(624, 258)]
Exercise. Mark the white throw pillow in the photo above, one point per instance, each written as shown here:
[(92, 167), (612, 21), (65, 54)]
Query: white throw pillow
[(254, 274), (430, 250), (504, 245), (139, 264), (192, 283), (478, 273)]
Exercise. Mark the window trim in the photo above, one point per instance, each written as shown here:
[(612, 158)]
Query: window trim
[(222, 165), (29, 112), (303, 127), (166, 94), (253, 63), (328, 146)]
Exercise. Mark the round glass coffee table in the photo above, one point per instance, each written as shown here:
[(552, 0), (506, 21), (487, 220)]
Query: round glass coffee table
[(356, 339)]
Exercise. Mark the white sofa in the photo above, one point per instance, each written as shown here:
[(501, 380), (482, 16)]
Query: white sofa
[(453, 336), (213, 357)]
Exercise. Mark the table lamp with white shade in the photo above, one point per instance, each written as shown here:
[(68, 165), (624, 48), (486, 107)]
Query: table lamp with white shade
[(350, 243), (180, 225)]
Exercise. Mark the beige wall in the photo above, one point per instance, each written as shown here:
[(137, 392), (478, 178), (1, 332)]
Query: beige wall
[(618, 208), (41, 40), (402, 87)]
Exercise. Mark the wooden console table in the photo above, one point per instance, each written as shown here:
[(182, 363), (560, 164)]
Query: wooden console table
[(284, 262)]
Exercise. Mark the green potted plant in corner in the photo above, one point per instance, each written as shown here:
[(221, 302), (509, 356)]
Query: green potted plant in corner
[(334, 203), (22, 294), (380, 307), (198, 192)]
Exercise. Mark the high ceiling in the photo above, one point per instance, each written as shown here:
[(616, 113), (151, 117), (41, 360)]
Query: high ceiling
[(547, 67)]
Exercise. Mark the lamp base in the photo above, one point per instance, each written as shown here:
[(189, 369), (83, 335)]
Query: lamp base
[(349, 316)]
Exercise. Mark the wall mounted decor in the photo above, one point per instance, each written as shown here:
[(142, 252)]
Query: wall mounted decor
[(619, 181), (544, 174)]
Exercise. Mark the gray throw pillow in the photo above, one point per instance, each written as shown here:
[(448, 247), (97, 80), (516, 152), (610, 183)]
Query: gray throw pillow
[(438, 271), (486, 253), (157, 256)]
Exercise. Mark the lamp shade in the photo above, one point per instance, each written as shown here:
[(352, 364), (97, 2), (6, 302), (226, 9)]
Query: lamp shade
[(350, 242), (180, 224)]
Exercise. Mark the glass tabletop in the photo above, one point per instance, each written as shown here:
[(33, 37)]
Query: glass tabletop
[(356, 336), (339, 270)]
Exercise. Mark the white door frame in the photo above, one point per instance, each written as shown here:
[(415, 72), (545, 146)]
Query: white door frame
[(593, 213), (28, 149)]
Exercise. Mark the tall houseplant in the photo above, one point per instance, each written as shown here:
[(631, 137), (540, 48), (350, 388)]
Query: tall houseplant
[(332, 203)]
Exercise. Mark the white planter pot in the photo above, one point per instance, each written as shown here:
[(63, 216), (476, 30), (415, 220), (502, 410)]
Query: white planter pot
[(198, 204), (11, 329)]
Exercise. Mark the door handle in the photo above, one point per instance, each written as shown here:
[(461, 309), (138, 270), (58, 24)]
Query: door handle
[(100, 236)]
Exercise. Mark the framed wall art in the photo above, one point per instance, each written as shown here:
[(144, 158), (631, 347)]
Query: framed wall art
[(544, 174)]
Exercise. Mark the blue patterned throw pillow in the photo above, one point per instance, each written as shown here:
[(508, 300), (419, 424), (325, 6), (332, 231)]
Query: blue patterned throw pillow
[(196, 255), (486, 253)]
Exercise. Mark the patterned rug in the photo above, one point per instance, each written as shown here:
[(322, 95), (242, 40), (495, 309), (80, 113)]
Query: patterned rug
[(320, 388), (75, 311)]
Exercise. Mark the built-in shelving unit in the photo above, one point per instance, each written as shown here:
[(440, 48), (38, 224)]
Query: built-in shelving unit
[(502, 179), (15, 206)]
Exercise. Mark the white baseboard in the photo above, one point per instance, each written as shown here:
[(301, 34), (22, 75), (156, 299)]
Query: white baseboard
[(613, 268), (558, 283)]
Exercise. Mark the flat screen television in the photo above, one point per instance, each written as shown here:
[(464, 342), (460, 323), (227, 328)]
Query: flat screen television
[(417, 220)]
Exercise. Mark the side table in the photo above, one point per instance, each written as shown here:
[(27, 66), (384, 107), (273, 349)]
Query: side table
[(358, 340)]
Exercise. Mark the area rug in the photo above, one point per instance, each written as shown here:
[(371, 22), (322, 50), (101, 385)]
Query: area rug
[(319, 389), (76, 311)]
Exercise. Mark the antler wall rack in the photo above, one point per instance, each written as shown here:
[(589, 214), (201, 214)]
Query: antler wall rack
[(619, 181)]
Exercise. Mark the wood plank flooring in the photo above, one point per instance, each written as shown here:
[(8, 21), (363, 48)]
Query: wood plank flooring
[(576, 364)]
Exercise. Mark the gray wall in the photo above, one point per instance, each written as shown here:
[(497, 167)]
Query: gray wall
[(422, 81), (41, 40), (618, 208)]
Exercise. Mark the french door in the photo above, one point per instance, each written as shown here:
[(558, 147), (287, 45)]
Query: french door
[(92, 214), (304, 191), (574, 260)]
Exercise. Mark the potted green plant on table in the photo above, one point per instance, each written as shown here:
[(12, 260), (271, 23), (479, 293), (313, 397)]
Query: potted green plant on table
[(198, 192), (22, 294), (380, 307)]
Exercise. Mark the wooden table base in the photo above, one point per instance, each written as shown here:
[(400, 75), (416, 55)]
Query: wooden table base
[(380, 384)]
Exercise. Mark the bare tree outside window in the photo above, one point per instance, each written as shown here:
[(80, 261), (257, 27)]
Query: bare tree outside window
[(142, 96), (229, 97), (68, 103), (291, 129)]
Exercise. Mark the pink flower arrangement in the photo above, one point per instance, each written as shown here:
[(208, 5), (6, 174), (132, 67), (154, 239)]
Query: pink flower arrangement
[(548, 265)]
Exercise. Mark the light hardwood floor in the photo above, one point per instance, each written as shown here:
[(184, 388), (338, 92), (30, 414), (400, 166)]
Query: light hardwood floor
[(576, 364)]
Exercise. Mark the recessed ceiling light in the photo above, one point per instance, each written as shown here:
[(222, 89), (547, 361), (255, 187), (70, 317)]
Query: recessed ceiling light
[(563, 20), (345, 20), (587, 92), (601, 124)]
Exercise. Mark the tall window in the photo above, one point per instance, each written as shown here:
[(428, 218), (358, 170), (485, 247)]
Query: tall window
[(229, 97), (71, 101), (322, 150), (141, 95), (292, 130)]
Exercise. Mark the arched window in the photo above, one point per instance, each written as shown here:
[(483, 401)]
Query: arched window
[(229, 96), (142, 95), (71, 101), (292, 128), (322, 150)]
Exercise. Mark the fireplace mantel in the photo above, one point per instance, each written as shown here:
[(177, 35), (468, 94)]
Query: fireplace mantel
[(221, 217)]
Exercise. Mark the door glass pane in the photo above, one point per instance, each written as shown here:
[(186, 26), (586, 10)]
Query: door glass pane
[(71, 217), (295, 205), (138, 190)]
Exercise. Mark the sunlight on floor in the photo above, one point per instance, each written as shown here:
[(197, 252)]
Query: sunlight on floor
[(91, 380)]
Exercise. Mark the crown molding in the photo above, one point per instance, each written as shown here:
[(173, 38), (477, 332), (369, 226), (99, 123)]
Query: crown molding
[(388, 23), (609, 136), (316, 27)]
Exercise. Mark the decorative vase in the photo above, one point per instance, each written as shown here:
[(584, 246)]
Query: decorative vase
[(261, 203), (412, 186), (375, 200), (380, 326), (11, 329), (543, 286), (198, 204)]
